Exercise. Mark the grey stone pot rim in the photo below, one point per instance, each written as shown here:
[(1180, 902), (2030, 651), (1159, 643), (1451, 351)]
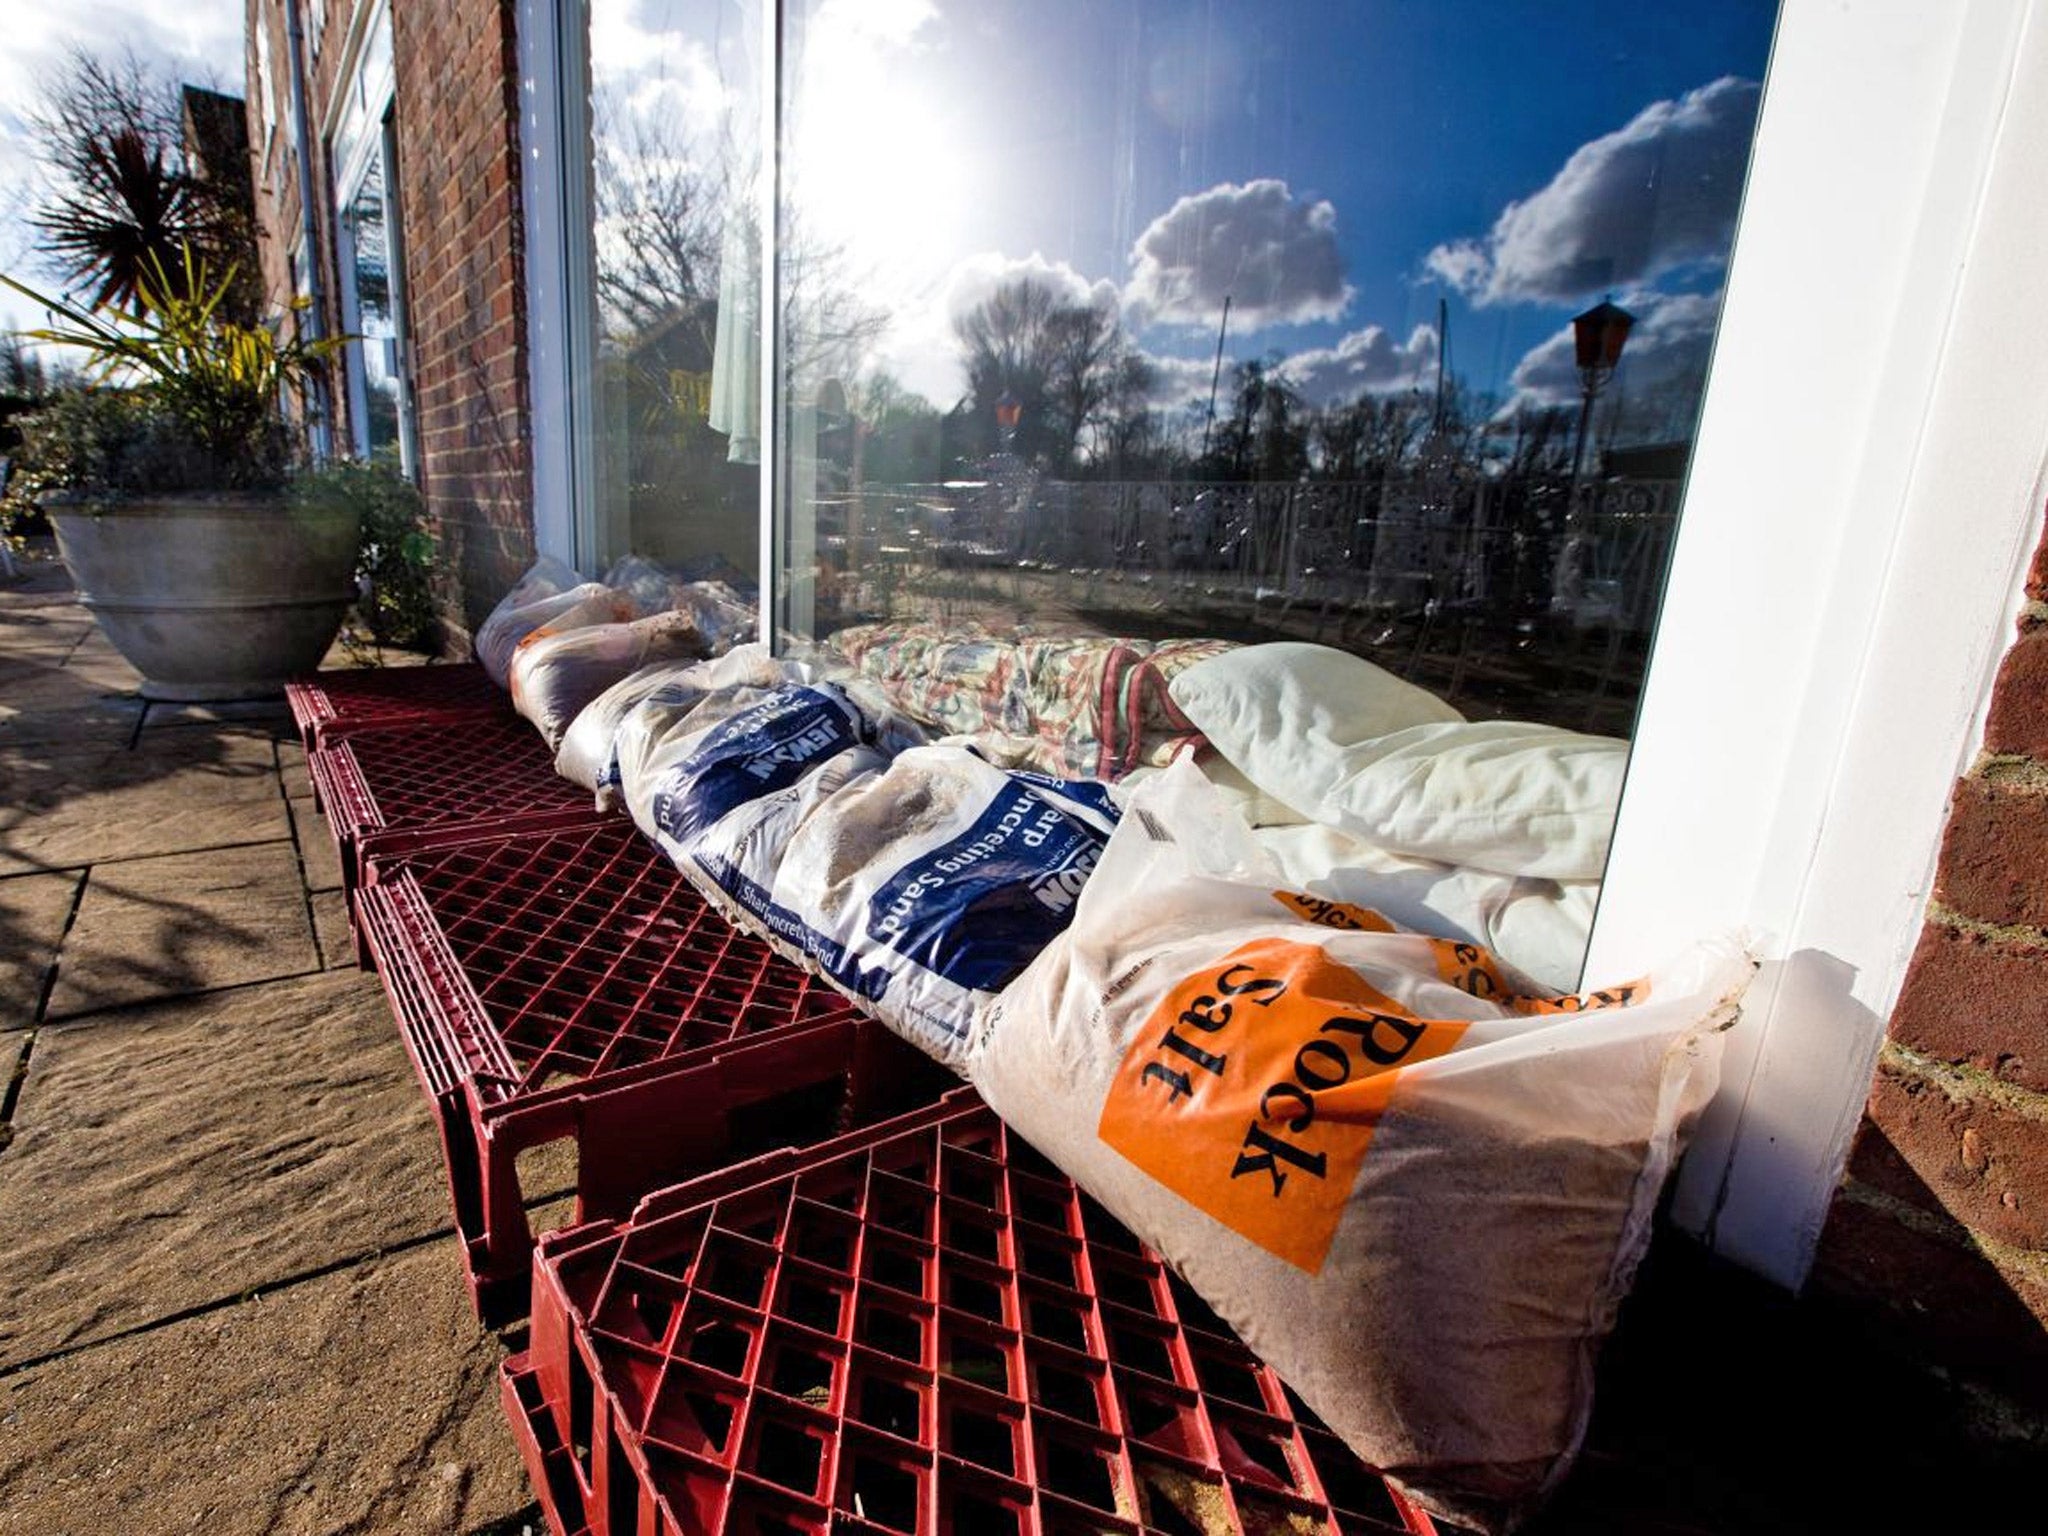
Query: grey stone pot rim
[(272, 504)]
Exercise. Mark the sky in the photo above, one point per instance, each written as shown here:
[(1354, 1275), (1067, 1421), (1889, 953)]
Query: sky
[(1335, 167), (196, 41)]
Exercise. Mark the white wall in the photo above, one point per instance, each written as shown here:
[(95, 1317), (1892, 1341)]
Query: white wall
[(1864, 496)]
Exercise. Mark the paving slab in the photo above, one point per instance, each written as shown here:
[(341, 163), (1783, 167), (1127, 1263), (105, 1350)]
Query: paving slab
[(291, 763), (185, 922), (104, 725), (62, 806), (331, 927), (316, 847), (362, 1401), (188, 1152), (42, 680), (33, 910)]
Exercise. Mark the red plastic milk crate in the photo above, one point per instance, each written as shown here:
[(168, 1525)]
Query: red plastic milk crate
[(330, 704), (570, 984), (921, 1328), (381, 788)]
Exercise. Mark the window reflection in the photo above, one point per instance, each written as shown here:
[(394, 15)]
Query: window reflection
[(674, 159), (1256, 323), (375, 319)]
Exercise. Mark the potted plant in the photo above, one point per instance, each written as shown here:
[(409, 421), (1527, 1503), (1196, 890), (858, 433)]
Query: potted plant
[(166, 481)]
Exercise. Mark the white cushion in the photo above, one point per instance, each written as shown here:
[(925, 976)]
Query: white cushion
[(1354, 747), (1504, 795)]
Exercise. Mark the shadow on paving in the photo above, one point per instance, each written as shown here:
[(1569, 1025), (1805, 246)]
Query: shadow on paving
[(1727, 1408)]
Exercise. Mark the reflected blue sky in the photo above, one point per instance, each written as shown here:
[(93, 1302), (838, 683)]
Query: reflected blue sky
[(1336, 169)]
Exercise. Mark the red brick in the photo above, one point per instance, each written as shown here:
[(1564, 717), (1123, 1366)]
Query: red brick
[(1941, 1299), (2019, 703), (1994, 858), (1985, 1165), (2037, 575), (1977, 1001)]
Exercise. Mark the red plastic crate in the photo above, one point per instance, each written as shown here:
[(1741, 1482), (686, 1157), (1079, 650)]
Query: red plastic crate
[(550, 1467), (570, 984), (329, 704), (924, 1328), (383, 789)]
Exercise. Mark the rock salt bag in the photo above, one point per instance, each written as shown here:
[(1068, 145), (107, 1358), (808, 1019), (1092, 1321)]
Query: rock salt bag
[(555, 674), (1417, 1196), (925, 889), (547, 595)]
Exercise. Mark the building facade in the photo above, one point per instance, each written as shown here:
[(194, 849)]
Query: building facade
[(545, 221)]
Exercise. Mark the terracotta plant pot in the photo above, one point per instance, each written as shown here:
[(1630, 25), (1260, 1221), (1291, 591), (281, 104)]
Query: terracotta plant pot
[(212, 597)]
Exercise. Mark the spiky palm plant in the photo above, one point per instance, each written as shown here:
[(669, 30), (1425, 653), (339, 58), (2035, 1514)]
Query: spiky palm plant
[(131, 214)]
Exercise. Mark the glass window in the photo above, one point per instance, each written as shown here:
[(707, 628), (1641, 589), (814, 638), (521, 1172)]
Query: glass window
[(370, 254), (675, 365), (1383, 326), (378, 409)]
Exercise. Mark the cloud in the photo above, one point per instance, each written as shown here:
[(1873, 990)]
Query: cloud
[(1367, 362), (1655, 196), (1663, 366), (975, 277), (1179, 381), (1275, 257), (889, 23)]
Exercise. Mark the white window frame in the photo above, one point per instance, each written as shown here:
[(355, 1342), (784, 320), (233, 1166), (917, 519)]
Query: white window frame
[(561, 306), (1863, 500)]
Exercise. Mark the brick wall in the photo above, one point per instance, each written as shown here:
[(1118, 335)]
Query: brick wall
[(1940, 1231), (457, 121), (458, 148)]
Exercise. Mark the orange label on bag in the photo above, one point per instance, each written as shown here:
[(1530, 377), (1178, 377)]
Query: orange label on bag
[(1255, 1087), (1472, 969), (1334, 914)]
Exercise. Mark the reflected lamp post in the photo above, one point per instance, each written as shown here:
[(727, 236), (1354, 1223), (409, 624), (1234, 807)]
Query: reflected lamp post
[(1597, 339)]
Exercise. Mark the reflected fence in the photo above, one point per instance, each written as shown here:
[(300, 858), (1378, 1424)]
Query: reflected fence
[(1398, 548)]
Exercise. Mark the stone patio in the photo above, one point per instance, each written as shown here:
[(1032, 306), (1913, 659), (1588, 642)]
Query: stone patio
[(233, 1298), (233, 1301)]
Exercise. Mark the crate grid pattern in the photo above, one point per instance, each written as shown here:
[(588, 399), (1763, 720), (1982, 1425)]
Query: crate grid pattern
[(588, 953), (934, 1331), (438, 772), (383, 789), (329, 704), (569, 984)]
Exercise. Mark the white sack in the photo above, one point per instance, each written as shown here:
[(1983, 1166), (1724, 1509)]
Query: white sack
[(589, 753), (547, 595), (721, 784), (926, 889), (1420, 1200), (555, 674)]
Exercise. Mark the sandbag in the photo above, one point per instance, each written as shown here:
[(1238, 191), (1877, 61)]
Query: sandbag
[(925, 889), (555, 674), (547, 595), (723, 618), (721, 785), (588, 754), (1418, 1196)]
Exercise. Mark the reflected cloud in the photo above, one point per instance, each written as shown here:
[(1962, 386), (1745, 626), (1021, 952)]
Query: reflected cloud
[(1651, 198), (1365, 362), (1274, 256)]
